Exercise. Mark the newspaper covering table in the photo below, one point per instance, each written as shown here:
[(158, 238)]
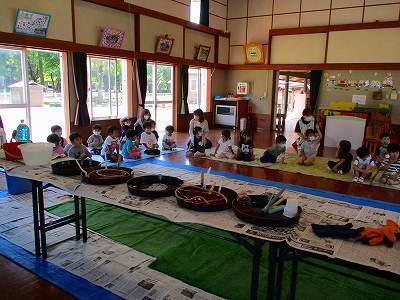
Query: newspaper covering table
[(300, 236)]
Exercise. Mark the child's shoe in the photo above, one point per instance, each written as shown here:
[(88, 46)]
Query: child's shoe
[(340, 172), (355, 179), (361, 180)]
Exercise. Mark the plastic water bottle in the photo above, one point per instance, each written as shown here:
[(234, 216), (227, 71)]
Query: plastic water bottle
[(23, 132)]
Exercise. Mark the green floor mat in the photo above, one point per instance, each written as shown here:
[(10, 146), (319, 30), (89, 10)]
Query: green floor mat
[(219, 267)]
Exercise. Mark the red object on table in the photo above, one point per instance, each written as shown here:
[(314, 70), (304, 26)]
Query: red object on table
[(12, 151)]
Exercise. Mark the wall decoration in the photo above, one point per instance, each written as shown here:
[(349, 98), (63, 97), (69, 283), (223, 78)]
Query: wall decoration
[(31, 23), (112, 38), (242, 88), (254, 53), (164, 44), (387, 81), (203, 52), (376, 84)]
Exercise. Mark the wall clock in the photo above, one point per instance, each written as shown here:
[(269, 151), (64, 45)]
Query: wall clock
[(254, 53)]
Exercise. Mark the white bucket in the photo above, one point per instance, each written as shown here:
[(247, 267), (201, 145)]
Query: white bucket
[(36, 154)]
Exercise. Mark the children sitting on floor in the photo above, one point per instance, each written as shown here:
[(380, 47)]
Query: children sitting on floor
[(55, 139), (149, 140), (195, 145), (77, 150), (145, 116), (308, 149), (169, 138), (362, 165), (391, 166), (275, 153), (125, 123), (95, 141), (342, 166), (245, 148), (153, 129), (110, 148), (131, 146), (381, 152), (58, 130), (224, 147)]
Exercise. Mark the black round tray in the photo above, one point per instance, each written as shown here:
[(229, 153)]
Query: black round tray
[(249, 212), (109, 180), (70, 168), (228, 193), (137, 185)]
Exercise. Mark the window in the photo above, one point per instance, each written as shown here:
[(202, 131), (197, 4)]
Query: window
[(195, 11), (107, 88), (197, 96), (31, 87), (159, 96)]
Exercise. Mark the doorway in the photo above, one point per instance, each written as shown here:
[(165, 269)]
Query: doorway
[(160, 94), (32, 90), (291, 97)]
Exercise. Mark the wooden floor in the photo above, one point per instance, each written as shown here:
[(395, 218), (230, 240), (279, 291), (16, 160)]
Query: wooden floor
[(263, 140), (17, 283)]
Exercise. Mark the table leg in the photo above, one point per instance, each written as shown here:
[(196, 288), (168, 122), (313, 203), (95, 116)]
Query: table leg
[(77, 219), (257, 252), (42, 221), (279, 274), (293, 279), (272, 258), (83, 214), (35, 217)]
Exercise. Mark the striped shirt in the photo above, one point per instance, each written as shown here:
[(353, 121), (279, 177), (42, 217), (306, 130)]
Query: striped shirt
[(393, 167)]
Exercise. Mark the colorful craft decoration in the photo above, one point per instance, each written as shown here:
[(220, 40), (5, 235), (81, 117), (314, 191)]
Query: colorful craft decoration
[(112, 38), (254, 53), (31, 23)]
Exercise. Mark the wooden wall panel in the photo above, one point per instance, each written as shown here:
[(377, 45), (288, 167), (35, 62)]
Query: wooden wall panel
[(195, 38), (91, 18), (60, 10), (151, 28), (298, 49), (364, 46), (180, 9), (223, 52)]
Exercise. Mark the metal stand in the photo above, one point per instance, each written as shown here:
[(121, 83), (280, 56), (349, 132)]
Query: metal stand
[(40, 227)]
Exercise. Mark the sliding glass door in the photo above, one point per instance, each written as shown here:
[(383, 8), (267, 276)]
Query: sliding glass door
[(32, 89), (13, 89), (159, 97)]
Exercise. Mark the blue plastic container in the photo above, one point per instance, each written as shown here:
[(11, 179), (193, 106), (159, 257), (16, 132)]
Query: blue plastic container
[(16, 185)]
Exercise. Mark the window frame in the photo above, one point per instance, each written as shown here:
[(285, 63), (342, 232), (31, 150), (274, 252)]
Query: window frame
[(124, 92), (207, 82)]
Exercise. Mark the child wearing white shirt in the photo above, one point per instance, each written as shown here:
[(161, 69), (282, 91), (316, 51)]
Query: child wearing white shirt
[(363, 165), (224, 147), (169, 139), (149, 140)]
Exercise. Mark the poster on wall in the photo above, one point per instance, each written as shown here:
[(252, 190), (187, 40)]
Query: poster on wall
[(112, 38), (31, 23)]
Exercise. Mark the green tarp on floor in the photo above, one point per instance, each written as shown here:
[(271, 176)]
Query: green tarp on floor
[(219, 267)]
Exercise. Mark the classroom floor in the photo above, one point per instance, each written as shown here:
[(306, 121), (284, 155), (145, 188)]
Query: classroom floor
[(17, 283)]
